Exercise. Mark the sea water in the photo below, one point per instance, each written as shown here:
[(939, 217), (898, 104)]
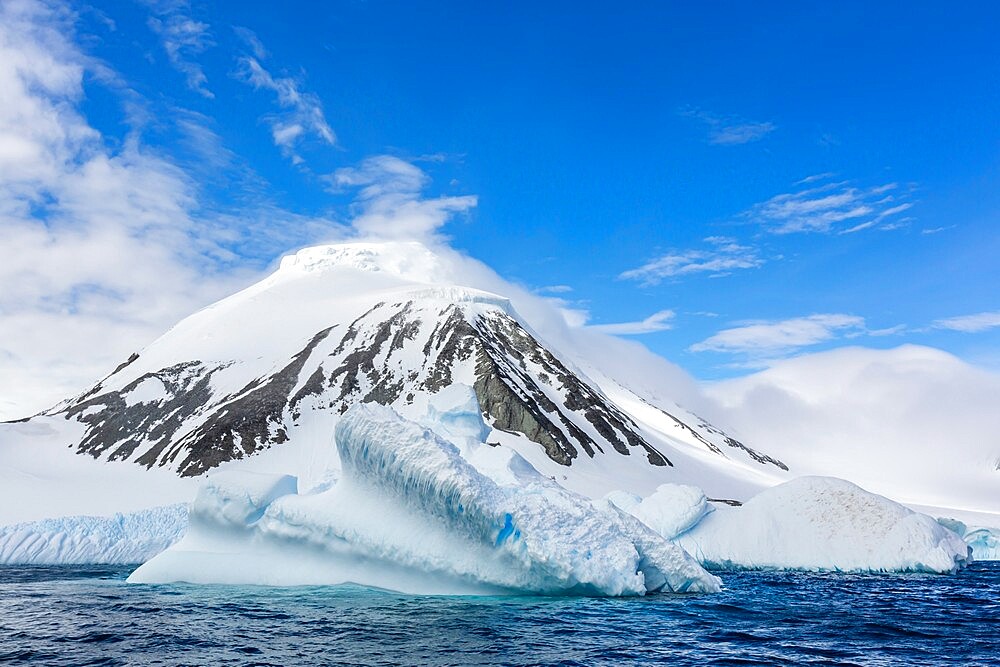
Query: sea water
[(90, 616)]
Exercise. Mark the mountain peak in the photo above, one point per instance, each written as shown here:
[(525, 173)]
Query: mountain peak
[(410, 260)]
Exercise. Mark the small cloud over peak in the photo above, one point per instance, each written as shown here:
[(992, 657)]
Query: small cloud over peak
[(554, 289), (390, 201), (970, 323), (302, 112), (834, 207), (721, 256), (730, 130), (659, 321), (183, 38)]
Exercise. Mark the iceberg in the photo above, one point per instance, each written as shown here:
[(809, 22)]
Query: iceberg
[(411, 513), (129, 538), (824, 524), (983, 541)]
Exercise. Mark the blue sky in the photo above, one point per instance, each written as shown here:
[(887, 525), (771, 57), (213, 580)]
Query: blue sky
[(732, 182)]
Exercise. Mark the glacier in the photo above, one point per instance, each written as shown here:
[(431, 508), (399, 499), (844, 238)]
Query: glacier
[(824, 524), (410, 513)]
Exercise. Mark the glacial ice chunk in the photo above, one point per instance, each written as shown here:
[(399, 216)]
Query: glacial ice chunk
[(984, 542), (134, 537), (454, 412), (669, 511), (238, 498), (824, 524), (411, 514)]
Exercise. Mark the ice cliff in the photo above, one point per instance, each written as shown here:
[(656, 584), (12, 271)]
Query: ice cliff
[(123, 538)]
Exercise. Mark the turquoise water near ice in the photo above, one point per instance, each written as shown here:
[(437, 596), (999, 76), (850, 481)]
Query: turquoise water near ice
[(90, 616)]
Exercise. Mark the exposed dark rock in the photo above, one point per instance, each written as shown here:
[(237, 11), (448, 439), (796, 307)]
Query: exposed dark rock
[(127, 362), (115, 429), (521, 387), (250, 421), (755, 455), (725, 501)]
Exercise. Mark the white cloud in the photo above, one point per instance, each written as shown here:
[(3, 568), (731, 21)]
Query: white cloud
[(781, 336), (970, 323), (183, 38), (303, 112), (832, 207), (730, 130), (660, 321), (914, 423), (250, 38), (391, 202), (722, 256), (99, 249), (554, 289)]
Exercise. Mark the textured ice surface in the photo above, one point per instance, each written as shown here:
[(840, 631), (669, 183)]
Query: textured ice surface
[(673, 509), (454, 413), (123, 538), (825, 524), (411, 514), (984, 542)]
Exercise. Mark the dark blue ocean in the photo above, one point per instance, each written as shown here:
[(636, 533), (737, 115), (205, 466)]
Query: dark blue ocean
[(90, 616)]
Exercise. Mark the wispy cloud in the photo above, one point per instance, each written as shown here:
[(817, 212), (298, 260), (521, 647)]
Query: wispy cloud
[(106, 242), (833, 207), (101, 247), (970, 323), (730, 130), (554, 289), (183, 38), (303, 112), (390, 200), (249, 37), (660, 321), (783, 336), (721, 256)]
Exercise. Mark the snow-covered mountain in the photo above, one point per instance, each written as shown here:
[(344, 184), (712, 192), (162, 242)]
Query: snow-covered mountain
[(268, 371), (500, 458)]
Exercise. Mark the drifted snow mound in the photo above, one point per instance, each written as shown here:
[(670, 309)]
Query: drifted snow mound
[(824, 524), (120, 539), (411, 514)]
